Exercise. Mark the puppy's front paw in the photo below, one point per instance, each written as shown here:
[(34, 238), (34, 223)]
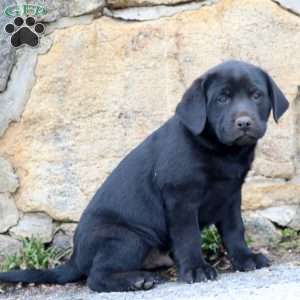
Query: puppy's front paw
[(198, 274), (250, 262)]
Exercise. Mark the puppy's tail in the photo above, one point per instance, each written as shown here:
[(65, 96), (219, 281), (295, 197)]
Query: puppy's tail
[(59, 275)]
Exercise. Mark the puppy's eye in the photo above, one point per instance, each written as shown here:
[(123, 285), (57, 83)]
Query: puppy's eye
[(256, 96), (223, 99)]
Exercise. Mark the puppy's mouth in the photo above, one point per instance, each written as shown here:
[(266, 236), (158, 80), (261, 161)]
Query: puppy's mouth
[(245, 139), (233, 137)]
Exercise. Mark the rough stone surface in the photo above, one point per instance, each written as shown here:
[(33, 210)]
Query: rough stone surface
[(63, 238), (69, 22), (263, 194), (57, 9), (8, 179), (97, 95), (8, 212), (37, 225), (22, 78), (7, 53), (281, 215), (297, 133), (295, 223), (81, 7), (274, 158), (293, 5), (8, 246), (260, 231)]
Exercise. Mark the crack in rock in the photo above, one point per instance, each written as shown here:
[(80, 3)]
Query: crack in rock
[(141, 3), (290, 5), (154, 12)]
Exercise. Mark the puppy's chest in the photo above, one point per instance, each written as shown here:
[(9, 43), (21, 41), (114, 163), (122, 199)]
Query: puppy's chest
[(218, 196), (221, 186), (222, 170)]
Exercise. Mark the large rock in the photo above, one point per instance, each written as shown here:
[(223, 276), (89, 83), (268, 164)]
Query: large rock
[(281, 215), (262, 194), (57, 9), (36, 225), (102, 88), (8, 212), (295, 223), (8, 246), (260, 232), (14, 98), (275, 152), (8, 179), (63, 238)]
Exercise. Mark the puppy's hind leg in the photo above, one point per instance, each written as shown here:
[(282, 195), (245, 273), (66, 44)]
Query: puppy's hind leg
[(117, 265)]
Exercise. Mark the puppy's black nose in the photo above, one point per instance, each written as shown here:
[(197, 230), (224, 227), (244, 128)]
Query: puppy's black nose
[(243, 122)]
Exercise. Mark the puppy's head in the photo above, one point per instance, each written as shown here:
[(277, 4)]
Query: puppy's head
[(234, 100)]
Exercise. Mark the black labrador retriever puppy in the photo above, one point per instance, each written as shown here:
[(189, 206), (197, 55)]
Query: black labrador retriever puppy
[(186, 175)]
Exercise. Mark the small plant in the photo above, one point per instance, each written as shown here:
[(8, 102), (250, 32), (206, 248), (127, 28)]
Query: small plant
[(33, 255), (249, 241), (289, 234), (211, 242)]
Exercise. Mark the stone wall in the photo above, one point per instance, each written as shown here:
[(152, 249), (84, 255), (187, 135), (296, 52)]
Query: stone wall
[(107, 73)]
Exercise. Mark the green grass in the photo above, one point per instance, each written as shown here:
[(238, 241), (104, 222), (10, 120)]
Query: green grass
[(249, 241), (33, 255), (289, 234), (211, 242)]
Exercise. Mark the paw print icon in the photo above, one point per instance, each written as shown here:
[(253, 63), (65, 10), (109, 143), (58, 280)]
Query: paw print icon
[(25, 32)]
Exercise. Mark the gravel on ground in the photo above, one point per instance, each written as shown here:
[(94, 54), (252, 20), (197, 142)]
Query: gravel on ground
[(281, 282)]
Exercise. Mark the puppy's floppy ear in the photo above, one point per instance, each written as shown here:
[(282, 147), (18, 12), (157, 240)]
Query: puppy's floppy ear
[(191, 110), (279, 101)]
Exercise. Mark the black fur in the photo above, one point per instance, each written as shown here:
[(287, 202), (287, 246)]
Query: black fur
[(186, 175)]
